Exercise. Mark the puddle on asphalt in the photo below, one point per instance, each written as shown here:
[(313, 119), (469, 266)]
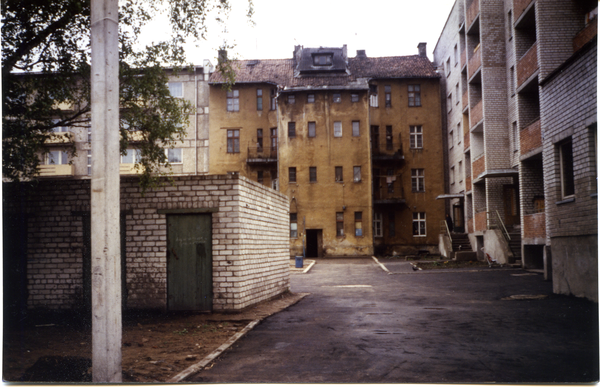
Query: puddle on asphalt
[(526, 297)]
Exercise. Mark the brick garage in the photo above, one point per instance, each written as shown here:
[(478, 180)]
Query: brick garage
[(250, 239)]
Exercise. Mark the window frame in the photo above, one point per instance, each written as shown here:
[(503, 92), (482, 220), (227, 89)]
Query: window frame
[(293, 222), (337, 129), (337, 97), (377, 225), (135, 158), (339, 174), (416, 136), (232, 145), (355, 128), (171, 90), (168, 153), (417, 179), (233, 100), (63, 157), (259, 100), (310, 98), (414, 95), (388, 95), (339, 224), (420, 223), (358, 228), (566, 169), (312, 174), (354, 97), (292, 176), (312, 129), (357, 177), (291, 129), (291, 99)]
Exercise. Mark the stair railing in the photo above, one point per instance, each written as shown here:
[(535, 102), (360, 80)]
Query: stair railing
[(445, 230), (503, 227)]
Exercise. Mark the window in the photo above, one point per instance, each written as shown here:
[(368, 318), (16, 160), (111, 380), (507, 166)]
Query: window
[(312, 129), (311, 98), (233, 101), (89, 133), (418, 180), (59, 129), (273, 99), (322, 59), (259, 100), (455, 54), (457, 87), (567, 180), (259, 140), (337, 97), (176, 89), (460, 179), (57, 157), (414, 95), (416, 136), (274, 140), (291, 99), (510, 24), (357, 175), (377, 229), (448, 67), (373, 99), (392, 224), (452, 177), (390, 178), (131, 156), (389, 138), (449, 102), (339, 174), (515, 133), (291, 129), (419, 225), (358, 230), (355, 128), (354, 97), (337, 129), (375, 137), (511, 87), (89, 162), (294, 225), (312, 173), (388, 95), (451, 139), (339, 224), (459, 134), (260, 177), (174, 155), (233, 141), (292, 174)]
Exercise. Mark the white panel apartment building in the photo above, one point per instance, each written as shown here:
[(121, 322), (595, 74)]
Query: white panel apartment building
[(520, 91)]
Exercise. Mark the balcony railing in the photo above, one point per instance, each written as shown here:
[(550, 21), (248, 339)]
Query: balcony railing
[(478, 166), (528, 65), (531, 137), (262, 155), (128, 169), (467, 140), (57, 170), (519, 7), (389, 190), (463, 58), (534, 225), (60, 138), (585, 35), (476, 114), (480, 220), (468, 183), (472, 12), (475, 62), (465, 100)]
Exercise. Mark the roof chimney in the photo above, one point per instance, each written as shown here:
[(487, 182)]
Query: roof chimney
[(423, 49), (361, 53), (222, 56)]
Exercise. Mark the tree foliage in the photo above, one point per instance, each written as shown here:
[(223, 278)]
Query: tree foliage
[(46, 66)]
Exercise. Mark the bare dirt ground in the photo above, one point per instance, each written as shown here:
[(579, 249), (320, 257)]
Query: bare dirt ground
[(156, 346)]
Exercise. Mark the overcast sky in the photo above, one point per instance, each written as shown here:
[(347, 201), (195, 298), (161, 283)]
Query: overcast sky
[(381, 27)]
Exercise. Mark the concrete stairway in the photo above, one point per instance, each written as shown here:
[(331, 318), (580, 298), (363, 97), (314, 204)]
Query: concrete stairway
[(461, 248), (515, 244)]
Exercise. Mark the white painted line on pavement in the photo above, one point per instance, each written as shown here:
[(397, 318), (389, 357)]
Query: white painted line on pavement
[(381, 265)]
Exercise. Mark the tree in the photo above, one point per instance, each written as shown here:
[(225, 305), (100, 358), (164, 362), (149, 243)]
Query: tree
[(46, 66)]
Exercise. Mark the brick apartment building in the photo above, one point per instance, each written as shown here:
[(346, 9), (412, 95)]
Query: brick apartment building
[(519, 84), (352, 142)]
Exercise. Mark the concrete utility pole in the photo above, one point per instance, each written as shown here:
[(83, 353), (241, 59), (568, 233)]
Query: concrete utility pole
[(106, 249)]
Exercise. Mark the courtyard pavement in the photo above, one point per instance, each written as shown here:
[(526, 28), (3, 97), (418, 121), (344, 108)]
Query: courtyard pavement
[(363, 324)]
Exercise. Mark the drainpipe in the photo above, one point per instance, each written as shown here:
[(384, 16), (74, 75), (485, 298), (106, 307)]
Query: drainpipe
[(196, 120)]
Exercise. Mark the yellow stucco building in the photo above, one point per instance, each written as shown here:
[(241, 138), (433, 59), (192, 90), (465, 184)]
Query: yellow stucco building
[(355, 143)]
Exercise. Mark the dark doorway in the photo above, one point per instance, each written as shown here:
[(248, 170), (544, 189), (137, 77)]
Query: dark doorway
[(14, 258), (314, 243), (189, 262)]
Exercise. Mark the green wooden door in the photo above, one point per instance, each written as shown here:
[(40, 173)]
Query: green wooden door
[(189, 262)]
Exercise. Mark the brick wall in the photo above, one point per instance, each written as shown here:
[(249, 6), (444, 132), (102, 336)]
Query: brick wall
[(534, 226), (527, 65), (478, 167), (250, 239), (520, 6)]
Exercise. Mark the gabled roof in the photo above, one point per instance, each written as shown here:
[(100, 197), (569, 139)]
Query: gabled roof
[(360, 69)]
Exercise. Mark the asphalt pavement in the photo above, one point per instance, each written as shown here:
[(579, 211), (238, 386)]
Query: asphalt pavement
[(363, 324)]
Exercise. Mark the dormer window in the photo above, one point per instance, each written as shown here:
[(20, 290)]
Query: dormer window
[(323, 59)]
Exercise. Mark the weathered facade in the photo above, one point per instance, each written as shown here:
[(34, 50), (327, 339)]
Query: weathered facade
[(334, 134), (201, 243), (522, 74)]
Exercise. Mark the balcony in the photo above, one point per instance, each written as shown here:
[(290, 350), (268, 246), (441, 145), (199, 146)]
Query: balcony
[(463, 58), (481, 221), (383, 195), (585, 35), (530, 138), (465, 100), (128, 169), (468, 186), (472, 12), (527, 66), (534, 226), (476, 114), (467, 141), (519, 6), (60, 138), (262, 155), (388, 149), (57, 170), (475, 61)]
